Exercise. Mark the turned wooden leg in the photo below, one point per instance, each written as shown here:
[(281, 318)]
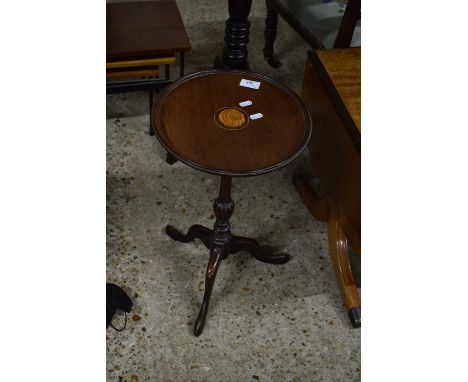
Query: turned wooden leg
[(240, 243), (348, 23), (151, 132), (195, 232), (236, 36), (340, 256), (223, 208), (316, 205), (216, 255), (271, 24)]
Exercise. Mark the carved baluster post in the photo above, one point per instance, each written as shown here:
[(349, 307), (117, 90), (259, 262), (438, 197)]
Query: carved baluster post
[(236, 35), (220, 241), (223, 208)]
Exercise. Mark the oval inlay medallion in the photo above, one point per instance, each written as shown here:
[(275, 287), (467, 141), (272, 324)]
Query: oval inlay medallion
[(231, 118)]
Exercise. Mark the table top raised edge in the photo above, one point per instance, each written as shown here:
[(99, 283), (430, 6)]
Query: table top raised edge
[(188, 162)]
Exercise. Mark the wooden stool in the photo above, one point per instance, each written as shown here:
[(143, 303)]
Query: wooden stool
[(206, 122)]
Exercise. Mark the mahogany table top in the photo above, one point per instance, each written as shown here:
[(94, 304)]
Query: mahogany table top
[(144, 29), (199, 120)]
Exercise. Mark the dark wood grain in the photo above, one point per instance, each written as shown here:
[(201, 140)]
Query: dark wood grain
[(236, 36), (144, 29), (135, 73), (185, 123)]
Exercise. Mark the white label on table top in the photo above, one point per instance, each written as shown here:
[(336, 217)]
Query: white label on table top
[(245, 103), (256, 116), (249, 84)]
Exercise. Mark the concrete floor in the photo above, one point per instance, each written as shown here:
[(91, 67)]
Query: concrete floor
[(265, 322)]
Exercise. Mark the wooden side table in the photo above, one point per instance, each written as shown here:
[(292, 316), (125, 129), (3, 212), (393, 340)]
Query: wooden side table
[(140, 37), (332, 92), (204, 121), (144, 34)]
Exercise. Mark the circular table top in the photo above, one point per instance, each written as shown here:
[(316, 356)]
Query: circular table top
[(200, 121)]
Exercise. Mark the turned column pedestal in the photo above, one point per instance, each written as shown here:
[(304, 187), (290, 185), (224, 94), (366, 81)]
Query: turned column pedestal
[(221, 244)]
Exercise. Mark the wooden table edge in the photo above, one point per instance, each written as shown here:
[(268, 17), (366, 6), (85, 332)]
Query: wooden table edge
[(335, 98), (265, 170)]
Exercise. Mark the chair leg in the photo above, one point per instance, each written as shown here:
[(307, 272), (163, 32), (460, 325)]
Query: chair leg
[(338, 244), (151, 132), (182, 64), (316, 205), (348, 23), (271, 25)]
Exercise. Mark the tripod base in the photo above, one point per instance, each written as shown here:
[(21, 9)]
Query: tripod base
[(237, 244), (219, 252)]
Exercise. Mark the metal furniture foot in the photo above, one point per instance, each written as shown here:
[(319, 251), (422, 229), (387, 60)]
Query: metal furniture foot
[(354, 315)]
